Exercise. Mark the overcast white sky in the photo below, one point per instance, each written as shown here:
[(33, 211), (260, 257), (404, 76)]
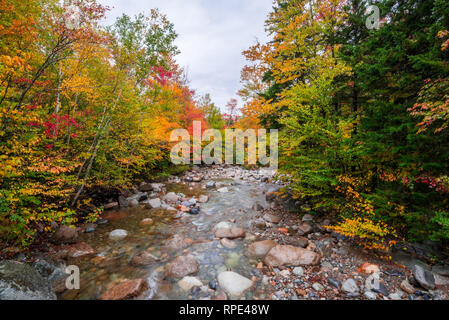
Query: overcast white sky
[(212, 36)]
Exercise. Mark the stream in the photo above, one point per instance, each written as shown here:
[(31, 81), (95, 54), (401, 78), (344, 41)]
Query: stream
[(236, 204)]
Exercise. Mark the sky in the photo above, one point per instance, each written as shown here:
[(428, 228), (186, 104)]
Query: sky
[(211, 37)]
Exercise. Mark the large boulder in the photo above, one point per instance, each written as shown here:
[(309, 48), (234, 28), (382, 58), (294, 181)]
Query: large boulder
[(261, 248), (181, 266), (233, 283), (124, 290), (291, 256), (19, 281)]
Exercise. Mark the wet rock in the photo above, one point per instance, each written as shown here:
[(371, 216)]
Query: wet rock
[(123, 202), (133, 203), (223, 190), (146, 222), (111, 205), (230, 233), (203, 199), (233, 283), (125, 290), (77, 250), (89, 228), (334, 283), (396, 296), (171, 197), (228, 243), (221, 296), (210, 185), (407, 287), (154, 203), (290, 256), (425, 278), (65, 234), (370, 295), (368, 268), (118, 235), (187, 283), (441, 270), (19, 281), (143, 259), (261, 248), (213, 285), (305, 228), (195, 211), (272, 218), (350, 286), (175, 243), (181, 266)]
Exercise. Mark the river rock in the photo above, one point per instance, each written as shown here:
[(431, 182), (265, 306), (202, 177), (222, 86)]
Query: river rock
[(19, 281), (76, 250), (425, 278), (368, 268), (223, 190), (143, 259), (65, 234), (223, 225), (298, 271), (307, 217), (305, 228), (233, 283), (261, 248), (318, 287), (407, 287), (272, 218), (228, 243), (123, 202), (203, 199), (111, 205), (175, 243), (370, 295), (133, 203), (187, 283), (350, 286), (125, 290), (171, 197), (154, 203), (147, 222), (146, 187), (118, 235), (181, 266), (230, 233), (290, 256), (210, 185)]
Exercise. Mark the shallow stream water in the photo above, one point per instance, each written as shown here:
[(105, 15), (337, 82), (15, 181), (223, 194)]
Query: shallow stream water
[(212, 256)]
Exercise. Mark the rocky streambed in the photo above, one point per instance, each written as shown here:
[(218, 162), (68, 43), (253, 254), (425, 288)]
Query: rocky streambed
[(215, 233)]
